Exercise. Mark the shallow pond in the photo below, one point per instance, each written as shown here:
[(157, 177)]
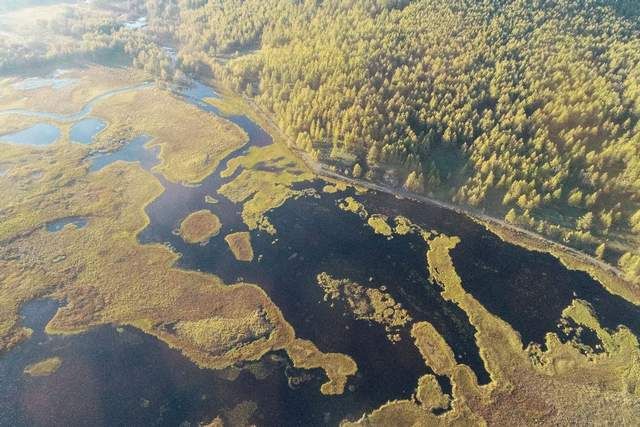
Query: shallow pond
[(133, 151), (58, 225), (85, 130), (39, 135)]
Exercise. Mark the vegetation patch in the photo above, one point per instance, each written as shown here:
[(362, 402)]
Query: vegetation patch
[(218, 335), (89, 82), (430, 395), (349, 204), (558, 385), (240, 245), (335, 187), (44, 367), (366, 303), (200, 226), (240, 415), (380, 225), (338, 367), (192, 142), (106, 276), (265, 183)]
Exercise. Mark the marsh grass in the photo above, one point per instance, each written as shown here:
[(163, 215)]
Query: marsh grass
[(43, 368), (192, 142), (240, 245), (101, 272), (558, 385), (200, 226)]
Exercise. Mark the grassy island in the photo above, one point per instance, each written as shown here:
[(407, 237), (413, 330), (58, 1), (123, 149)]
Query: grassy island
[(240, 245), (200, 226), (44, 367), (366, 303)]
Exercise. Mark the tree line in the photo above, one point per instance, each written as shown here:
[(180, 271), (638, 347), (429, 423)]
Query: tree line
[(526, 109)]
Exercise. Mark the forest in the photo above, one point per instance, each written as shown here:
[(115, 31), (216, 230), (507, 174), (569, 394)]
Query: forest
[(527, 110), (522, 109)]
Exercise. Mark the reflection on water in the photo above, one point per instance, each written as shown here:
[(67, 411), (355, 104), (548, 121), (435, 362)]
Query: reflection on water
[(41, 134), (39, 82), (530, 289), (58, 225), (198, 92), (133, 151), (85, 130), (137, 24)]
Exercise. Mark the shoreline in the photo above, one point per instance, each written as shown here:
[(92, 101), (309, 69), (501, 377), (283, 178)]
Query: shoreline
[(611, 277)]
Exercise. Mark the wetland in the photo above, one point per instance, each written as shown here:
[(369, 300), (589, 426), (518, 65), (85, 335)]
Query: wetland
[(311, 303)]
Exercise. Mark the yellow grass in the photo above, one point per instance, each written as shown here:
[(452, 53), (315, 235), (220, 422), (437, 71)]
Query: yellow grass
[(349, 204), (105, 276), (200, 226), (366, 303), (91, 81), (380, 225), (240, 245), (192, 142), (264, 183), (44, 367), (558, 386)]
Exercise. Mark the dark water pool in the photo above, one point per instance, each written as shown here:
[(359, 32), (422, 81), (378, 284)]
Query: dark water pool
[(59, 224), (120, 376)]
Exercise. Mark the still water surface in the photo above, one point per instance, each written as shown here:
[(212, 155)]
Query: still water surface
[(39, 135), (84, 131)]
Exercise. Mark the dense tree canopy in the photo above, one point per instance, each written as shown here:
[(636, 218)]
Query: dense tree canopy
[(527, 109), (523, 107)]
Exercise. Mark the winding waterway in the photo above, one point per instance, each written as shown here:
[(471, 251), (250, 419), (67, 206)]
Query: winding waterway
[(130, 378), (83, 113)]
